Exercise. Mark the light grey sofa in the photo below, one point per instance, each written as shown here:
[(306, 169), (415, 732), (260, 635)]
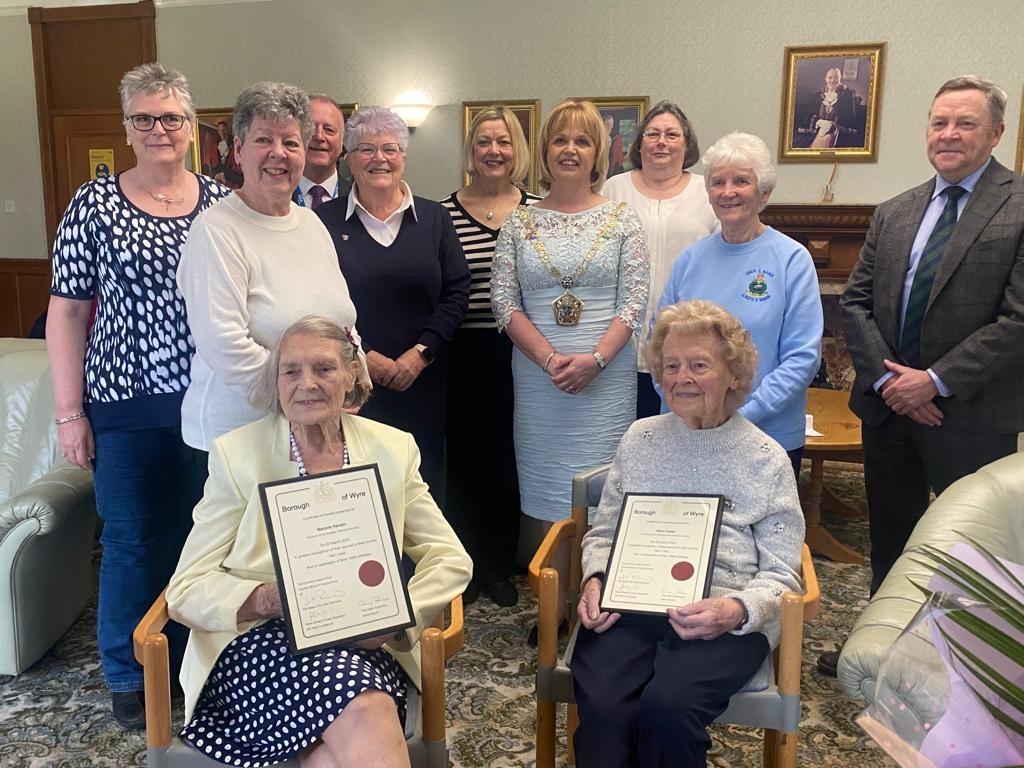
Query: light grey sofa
[(47, 514), (987, 506)]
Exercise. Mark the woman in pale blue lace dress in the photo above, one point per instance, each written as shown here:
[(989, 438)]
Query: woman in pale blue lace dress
[(569, 286)]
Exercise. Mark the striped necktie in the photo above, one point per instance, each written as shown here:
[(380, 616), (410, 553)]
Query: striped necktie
[(927, 266)]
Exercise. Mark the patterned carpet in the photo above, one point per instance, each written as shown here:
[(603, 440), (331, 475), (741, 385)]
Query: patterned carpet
[(57, 713)]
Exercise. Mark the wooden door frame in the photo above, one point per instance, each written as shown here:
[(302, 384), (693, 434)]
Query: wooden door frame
[(37, 17)]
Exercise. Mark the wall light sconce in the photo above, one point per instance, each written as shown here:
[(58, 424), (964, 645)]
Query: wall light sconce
[(413, 107)]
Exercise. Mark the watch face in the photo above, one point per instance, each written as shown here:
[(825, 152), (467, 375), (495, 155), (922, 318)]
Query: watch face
[(428, 354)]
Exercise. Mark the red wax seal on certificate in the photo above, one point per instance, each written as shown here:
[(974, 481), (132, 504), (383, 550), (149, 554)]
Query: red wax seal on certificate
[(682, 571), (371, 573)]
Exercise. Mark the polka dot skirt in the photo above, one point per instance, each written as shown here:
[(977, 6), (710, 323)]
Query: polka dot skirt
[(261, 705)]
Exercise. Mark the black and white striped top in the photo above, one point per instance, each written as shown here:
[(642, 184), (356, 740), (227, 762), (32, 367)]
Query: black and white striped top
[(478, 241)]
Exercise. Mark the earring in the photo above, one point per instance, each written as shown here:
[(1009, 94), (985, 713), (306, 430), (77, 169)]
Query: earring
[(128, 142)]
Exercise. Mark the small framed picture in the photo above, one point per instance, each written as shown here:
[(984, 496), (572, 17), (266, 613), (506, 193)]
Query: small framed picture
[(213, 146), (831, 96), (622, 117), (527, 111)]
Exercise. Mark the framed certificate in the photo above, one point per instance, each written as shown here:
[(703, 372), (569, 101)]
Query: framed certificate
[(663, 553), (337, 562)]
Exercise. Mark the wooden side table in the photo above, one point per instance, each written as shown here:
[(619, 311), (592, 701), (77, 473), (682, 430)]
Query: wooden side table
[(840, 441)]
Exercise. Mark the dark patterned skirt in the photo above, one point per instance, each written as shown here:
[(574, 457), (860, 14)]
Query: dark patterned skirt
[(262, 706)]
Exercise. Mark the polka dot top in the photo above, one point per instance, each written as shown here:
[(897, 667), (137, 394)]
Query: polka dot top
[(139, 343)]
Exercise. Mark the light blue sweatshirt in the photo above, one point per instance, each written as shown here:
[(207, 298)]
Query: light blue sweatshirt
[(769, 283)]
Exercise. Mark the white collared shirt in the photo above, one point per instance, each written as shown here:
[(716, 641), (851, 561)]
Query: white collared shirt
[(330, 186), (384, 232)]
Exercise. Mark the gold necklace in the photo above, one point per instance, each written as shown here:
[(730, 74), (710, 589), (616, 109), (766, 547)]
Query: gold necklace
[(568, 307)]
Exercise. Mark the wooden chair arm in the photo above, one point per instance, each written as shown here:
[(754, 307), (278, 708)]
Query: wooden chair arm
[(812, 592), (790, 644), (432, 658), (563, 530), (548, 612), (151, 652), (454, 634), (151, 624)]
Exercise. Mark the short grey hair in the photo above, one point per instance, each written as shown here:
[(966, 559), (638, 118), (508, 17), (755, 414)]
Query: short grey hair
[(742, 150), (263, 393), (328, 99), (156, 78), (370, 121), (995, 95), (272, 101)]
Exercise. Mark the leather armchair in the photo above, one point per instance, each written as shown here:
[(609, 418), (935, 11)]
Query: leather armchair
[(47, 514), (988, 507)]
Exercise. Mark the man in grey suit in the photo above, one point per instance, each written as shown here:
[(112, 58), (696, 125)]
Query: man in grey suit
[(934, 321)]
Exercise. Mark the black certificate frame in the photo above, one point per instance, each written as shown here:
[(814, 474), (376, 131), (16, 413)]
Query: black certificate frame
[(276, 544), (712, 550)]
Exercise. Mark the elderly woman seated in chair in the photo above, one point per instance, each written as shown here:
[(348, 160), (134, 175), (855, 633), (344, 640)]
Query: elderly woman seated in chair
[(248, 701), (648, 686)]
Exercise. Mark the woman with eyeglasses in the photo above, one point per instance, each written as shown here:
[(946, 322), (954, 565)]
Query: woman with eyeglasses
[(254, 264), (119, 383), (409, 280), (672, 205)]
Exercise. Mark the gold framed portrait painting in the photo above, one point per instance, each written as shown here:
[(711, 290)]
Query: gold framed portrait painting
[(622, 117), (831, 97), (527, 111)]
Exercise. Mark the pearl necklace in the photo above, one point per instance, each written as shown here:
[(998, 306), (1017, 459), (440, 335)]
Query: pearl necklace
[(298, 456)]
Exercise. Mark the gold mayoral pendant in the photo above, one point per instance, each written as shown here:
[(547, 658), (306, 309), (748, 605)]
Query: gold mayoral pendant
[(568, 307)]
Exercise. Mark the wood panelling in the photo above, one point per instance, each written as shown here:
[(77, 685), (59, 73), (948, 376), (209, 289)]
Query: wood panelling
[(79, 55), (834, 234), (24, 294)]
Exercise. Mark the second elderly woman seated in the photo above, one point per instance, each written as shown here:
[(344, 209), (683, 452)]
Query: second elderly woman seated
[(648, 686), (248, 701)]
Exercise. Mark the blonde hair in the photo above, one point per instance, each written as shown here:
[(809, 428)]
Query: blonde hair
[(584, 115), (520, 148), (263, 393), (693, 318)]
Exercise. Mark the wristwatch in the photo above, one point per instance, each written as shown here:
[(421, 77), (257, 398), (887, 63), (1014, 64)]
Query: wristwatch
[(601, 362), (426, 352)]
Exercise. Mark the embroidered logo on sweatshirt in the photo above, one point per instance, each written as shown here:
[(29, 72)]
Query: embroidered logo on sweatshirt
[(757, 288)]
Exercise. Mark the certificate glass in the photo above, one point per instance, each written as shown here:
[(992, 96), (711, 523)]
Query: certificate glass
[(663, 553), (337, 562)]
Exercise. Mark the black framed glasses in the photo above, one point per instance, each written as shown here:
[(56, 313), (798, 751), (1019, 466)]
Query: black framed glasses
[(170, 122)]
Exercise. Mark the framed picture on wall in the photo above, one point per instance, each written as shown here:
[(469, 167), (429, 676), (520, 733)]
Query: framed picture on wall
[(831, 95), (212, 146), (622, 116), (527, 111), (1019, 165)]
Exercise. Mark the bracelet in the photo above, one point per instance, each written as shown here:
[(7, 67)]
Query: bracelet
[(69, 419), (546, 362), (599, 359)]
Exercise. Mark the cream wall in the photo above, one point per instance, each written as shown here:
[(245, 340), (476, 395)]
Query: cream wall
[(721, 62)]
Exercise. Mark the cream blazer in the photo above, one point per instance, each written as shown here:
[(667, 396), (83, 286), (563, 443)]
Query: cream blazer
[(227, 555)]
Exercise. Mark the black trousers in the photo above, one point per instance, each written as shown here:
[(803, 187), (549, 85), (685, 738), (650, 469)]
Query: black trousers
[(646, 697), (903, 460), (482, 502)]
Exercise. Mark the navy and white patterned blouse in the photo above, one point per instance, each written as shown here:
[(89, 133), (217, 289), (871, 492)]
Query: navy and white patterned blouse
[(139, 344)]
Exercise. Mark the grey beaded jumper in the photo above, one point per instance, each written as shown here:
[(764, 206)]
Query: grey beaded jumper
[(762, 527)]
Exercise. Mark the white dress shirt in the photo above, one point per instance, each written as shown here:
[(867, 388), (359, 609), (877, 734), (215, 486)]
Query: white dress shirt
[(384, 232)]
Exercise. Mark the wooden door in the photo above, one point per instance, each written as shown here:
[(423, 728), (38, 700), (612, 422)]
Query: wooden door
[(80, 54)]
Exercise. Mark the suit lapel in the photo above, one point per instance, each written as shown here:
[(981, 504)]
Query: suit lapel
[(892, 271), (989, 196)]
